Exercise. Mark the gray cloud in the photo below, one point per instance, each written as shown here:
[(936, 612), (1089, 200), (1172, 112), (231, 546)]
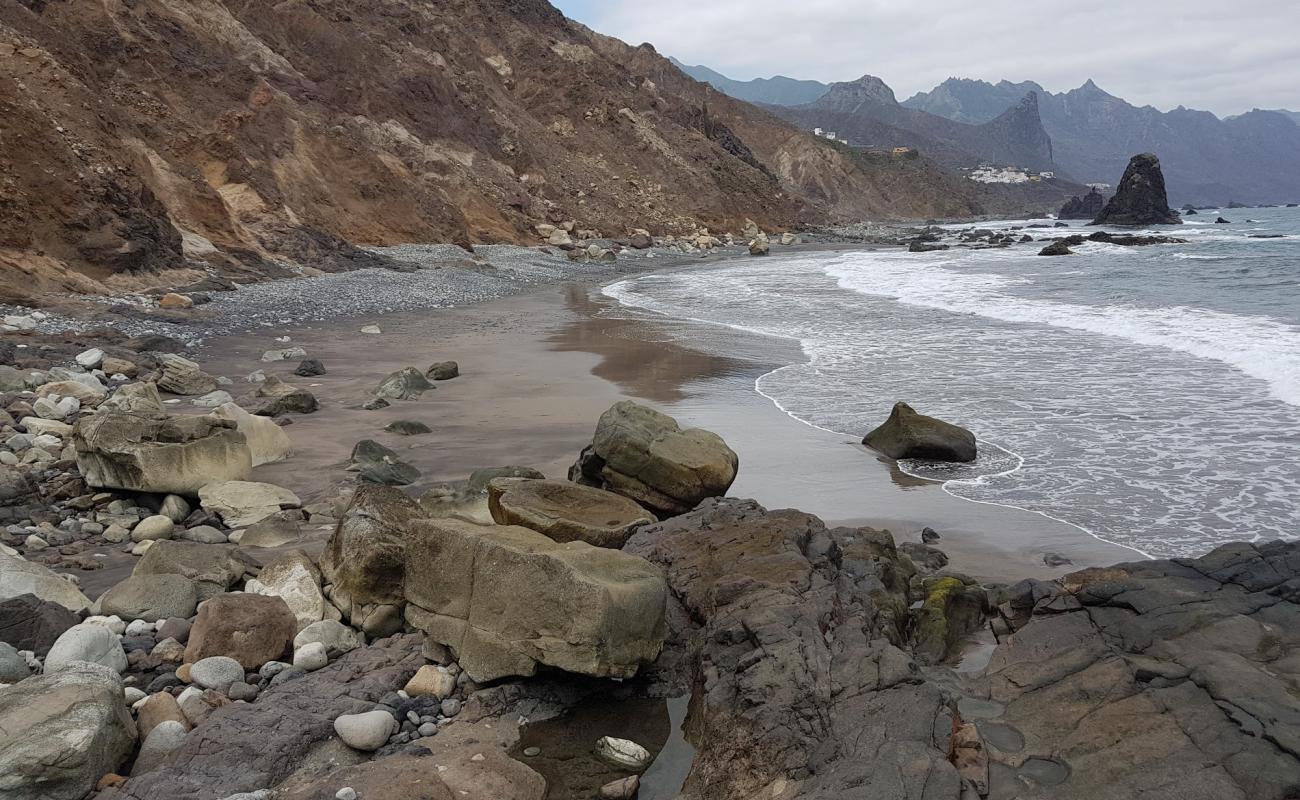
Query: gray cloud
[(1208, 54)]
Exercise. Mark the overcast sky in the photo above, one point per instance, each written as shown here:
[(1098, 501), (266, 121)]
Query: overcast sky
[(1226, 57)]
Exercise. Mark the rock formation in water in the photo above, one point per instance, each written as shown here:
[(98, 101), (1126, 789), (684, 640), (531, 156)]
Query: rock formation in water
[(1086, 207), (1141, 198)]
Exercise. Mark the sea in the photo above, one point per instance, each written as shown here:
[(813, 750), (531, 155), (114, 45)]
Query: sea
[(1149, 396)]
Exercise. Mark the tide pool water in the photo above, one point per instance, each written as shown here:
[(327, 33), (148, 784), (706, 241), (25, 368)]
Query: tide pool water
[(1149, 396)]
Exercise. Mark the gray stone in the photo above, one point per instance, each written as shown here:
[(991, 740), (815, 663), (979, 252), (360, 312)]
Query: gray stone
[(166, 737), (242, 503), (184, 377), (443, 371), (213, 568), (907, 434), (405, 384), (177, 455), (367, 731), (13, 667), (151, 598), (85, 731), (153, 528), (86, 642), (333, 635), (216, 672)]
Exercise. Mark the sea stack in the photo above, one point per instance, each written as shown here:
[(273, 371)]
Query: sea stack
[(1141, 199)]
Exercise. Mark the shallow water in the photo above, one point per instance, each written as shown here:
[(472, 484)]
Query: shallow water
[(1149, 396)]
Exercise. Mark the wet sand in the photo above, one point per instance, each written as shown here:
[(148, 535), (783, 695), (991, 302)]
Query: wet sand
[(537, 371)]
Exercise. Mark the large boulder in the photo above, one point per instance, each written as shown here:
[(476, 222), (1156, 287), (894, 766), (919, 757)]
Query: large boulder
[(151, 598), (566, 512), (506, 599), (365, 558), (296, 580), (176, 455), (184, 377), (250, 628), (645, 455), (284, 398), (20, 577), (214, 568), (1141, 199), (242, 503), (61, 732), (267, 442), (907, 434), (29, 623), (136, 398)]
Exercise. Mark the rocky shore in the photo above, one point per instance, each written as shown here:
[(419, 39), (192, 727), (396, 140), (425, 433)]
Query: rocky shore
[(516, 634)]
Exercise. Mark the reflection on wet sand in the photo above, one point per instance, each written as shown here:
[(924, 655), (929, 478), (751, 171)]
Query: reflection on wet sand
[(641, 360)]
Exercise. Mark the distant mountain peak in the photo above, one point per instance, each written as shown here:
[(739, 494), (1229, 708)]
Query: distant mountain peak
[(871, 88)]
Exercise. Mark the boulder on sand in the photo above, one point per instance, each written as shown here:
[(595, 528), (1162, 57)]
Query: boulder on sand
[(506, 599), (907, 434), (405, 384), (566, 512), (250, 628), (645, 455), (1141, 199), (84, 731), (284, 398), (182, 376), (443, 371), (379, 464), (176, 455), (267, 442)]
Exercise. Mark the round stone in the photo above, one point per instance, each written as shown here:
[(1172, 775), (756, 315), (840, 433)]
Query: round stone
[(216, 672), (311, 656), (153, 528), (367, 732)]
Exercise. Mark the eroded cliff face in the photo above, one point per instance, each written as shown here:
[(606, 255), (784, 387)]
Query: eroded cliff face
[(279, 132)]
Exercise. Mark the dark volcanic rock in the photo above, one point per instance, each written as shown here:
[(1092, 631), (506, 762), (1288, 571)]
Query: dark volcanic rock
[(1058, 248), (907, 434), (1141, 198), (249, 746), (29, 623), (1086, 207), (794, 632), (309, 368)]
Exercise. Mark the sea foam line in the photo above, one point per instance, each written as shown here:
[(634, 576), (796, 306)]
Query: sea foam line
[(622, 293)]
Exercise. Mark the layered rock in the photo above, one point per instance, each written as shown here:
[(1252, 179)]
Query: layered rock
[(793, 635), (645, 455), (1140, 199), (214, 568), (507, 599), (907, 434), (60, 733), (566, 512), (175, 455)]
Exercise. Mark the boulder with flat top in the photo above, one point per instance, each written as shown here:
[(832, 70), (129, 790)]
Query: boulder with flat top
[(907, 434), (508, 600), (173, 455), (565, 511)]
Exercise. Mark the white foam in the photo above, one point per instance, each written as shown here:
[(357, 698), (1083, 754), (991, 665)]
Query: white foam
[(1260, 347)]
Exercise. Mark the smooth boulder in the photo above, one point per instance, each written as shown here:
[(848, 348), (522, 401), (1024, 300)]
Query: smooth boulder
[(85, 731), (20, 577), (645, 455), (175, 455), (907, 434), (242, 503), (405, 384), (565, 511), (296, 580), (267, 442), (89, 642), (507, 599)]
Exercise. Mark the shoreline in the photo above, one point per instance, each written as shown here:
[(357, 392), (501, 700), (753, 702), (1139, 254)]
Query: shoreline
[(538, 369)]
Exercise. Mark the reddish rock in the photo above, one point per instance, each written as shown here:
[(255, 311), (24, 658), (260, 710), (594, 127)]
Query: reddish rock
[(252, 629)]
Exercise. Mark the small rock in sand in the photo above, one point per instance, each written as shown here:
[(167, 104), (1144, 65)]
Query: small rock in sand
[(407, 427), (371, 329)]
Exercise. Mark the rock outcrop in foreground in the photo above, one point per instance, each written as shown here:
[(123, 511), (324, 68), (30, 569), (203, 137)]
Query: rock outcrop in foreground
[(1169, 679), (1141, 198)]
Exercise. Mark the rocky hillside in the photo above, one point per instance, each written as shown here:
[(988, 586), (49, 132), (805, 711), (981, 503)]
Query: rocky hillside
[(252, 138), (1253, 157), (865, 112)]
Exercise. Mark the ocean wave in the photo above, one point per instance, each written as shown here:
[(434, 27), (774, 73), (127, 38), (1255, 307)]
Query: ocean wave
[(1260, 347)]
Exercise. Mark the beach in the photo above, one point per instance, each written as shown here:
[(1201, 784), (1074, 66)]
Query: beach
[(537, 371)]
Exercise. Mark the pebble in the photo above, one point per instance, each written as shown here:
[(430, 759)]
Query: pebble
[(346, 793), (131, 695), (428, 729), (532, 752), (240, 690)]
